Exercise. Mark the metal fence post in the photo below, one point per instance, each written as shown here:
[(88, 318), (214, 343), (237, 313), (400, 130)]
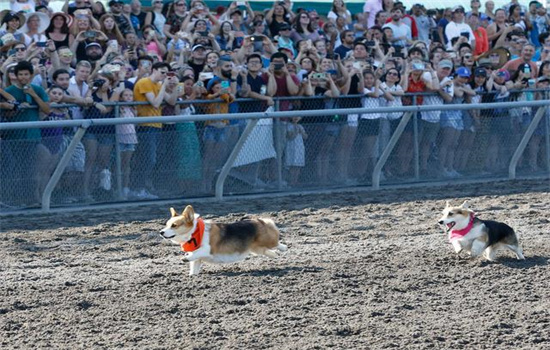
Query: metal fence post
[(547, 134), (279, 147), (118, 159), (46, 196), (416, 141)]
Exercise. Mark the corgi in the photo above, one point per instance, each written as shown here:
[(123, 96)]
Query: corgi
[(476, 236), (205, 241)]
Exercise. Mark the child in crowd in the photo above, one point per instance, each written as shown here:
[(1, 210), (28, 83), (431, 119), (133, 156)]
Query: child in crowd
[(127, 140), (51, 146), (216, 131), (295, 153)]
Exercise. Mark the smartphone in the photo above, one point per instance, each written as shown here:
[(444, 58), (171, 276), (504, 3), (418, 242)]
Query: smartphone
[(465, 34), (11, 52), (256, 38), (357, 65), (199, 84), (145, 63), (113, 44), (205, 33), (527, 70), (278, 66), (41, 44), (225, 84), (240, 3), (90, 34), (370, 43), (399, 55), (320, 76), (206, 75), (418, 66)]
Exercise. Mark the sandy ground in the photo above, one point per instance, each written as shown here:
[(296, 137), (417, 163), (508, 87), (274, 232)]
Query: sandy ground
[(365, 270)]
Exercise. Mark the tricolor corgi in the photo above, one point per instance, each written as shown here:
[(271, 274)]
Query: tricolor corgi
[(206, 241), (476, 236)]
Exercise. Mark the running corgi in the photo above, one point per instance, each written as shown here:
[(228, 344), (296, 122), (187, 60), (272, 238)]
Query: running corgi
[(476, 236), (210, 242)]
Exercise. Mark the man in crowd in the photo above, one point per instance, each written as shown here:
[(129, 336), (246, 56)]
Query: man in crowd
[(457, 28), (402, 34)]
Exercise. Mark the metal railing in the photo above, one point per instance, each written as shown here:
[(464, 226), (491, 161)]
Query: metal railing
[(277, 173)]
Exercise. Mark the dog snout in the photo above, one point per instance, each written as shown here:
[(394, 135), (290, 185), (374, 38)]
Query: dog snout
[(161, 233), (440, 222)]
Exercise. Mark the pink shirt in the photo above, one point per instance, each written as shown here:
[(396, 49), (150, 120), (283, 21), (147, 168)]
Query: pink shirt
[(372, 7)]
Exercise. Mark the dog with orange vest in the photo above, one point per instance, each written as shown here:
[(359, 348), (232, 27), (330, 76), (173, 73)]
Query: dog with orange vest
[(204, 241)]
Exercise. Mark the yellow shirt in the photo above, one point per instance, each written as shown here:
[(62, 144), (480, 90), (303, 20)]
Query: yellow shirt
[(143, 86)]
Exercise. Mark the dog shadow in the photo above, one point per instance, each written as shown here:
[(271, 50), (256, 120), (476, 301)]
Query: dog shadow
[(529, 262), (279, 272)]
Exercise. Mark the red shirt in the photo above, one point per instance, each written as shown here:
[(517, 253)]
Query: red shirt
[(482, 41), (415, 86)]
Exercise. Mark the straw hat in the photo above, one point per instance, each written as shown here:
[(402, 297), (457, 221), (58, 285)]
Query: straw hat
[(503, 56), (8, 15), (44, 22)]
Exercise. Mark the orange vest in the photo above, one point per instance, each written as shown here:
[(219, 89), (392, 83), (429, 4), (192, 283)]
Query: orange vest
[(196, 238)]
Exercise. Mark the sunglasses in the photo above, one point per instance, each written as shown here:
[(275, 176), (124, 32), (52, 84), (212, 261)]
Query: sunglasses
[(180, 4), (393, 73), (20, 49)]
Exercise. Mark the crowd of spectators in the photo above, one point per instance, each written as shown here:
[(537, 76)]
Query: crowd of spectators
[(91, 56)]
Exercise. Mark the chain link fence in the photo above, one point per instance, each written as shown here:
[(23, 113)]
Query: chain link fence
[(116, 158)]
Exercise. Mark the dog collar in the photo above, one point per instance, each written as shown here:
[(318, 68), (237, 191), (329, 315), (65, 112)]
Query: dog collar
[(196, 238), (463, 232)]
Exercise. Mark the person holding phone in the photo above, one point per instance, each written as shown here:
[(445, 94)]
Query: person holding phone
[(457, 28), (33, 29), (58, 30)]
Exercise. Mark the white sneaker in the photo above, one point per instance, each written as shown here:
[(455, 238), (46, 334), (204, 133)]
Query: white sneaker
[(143, 194), (105, 179)]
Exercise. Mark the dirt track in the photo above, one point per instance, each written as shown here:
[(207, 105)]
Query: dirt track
[(365, 270)]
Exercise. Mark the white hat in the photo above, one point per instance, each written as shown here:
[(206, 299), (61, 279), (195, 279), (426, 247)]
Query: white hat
[(44, 22)]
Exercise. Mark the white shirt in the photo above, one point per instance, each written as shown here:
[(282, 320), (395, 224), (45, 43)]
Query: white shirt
[(23, 6), (399, 31), (74, 90), (372, 7), (395, 103), (453, 30)]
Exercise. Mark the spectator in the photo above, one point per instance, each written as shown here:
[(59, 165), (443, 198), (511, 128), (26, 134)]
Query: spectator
[(277, 16), (127, 140), (489, 9), (480, 34), (295, 155), (58, 30), (498, 28), (156, 19), (26, 6), (458, 29), (339, 10), (34, 27), (21, 146), (371, 10), (424, 23), (526, 56), (401, 32), (176, 19), (442, 25), (109, 27), (152, 90), (303, 29), (99, 140), (137, 17), (12, 22), (347, 38)]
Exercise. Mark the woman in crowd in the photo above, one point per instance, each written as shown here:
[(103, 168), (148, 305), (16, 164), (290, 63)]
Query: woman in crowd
[(58, 30), (226, 36), (339, 10), (110, 29), (35, 25), (303, 29), (277, 16), (155, 18), (10, 23), (175, 19), (99, 140), (127, 140), (152, 42)]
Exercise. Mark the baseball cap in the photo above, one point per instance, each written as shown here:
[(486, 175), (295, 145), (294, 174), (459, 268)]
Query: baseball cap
[(92, 45), (113, 2), (458, 8), (480, 72), (284, 26), (199, 46), (445, 64), (463, 72), (504, 74)]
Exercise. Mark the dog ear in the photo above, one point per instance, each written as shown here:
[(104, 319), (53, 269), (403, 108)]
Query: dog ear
[(465, 204), (173, 212), (189, 213)]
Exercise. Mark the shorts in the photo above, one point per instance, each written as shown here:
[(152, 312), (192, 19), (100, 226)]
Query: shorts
[(428, 131), (333, 129), (395, 122), (369, 127), (102, 139), (127, 147), (213, 134), (452, 119), (468, 122)]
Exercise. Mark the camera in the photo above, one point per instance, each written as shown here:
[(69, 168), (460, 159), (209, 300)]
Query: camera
[(98, 83), (205, 33), (41, 44), (418, 66), (89, 34), (278, 66), (320, 76)]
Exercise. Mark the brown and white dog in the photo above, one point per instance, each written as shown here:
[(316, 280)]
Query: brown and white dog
[(206, 241), (476, 236)]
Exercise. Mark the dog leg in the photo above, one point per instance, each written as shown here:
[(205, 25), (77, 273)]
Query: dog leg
[(271, 253), (195, 267), (490, 253), (282, 247), (516, 249), (202, 252), (457, 246), (478, 247)]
